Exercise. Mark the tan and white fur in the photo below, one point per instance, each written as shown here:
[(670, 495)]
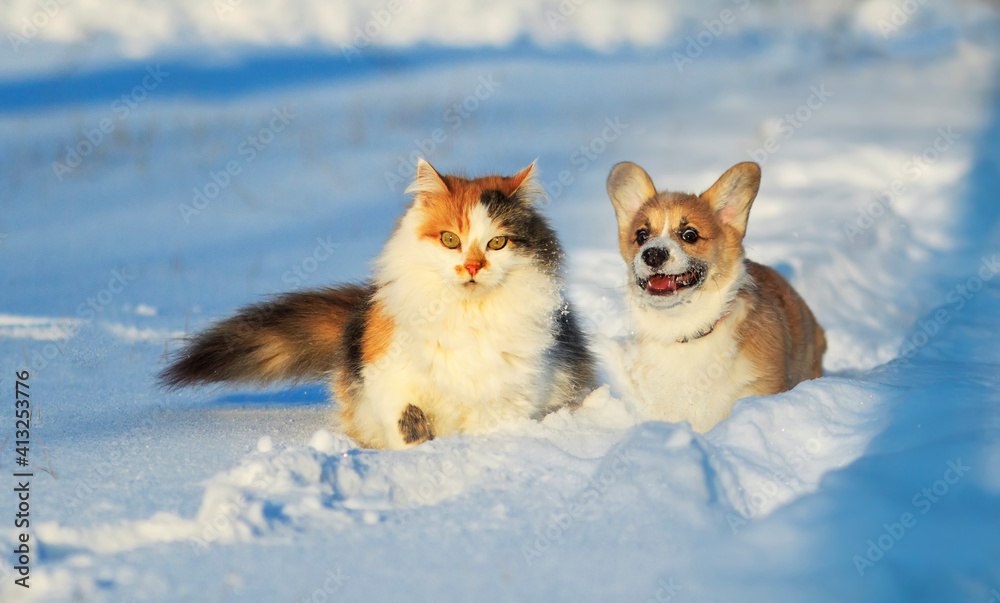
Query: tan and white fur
[(710, 326)]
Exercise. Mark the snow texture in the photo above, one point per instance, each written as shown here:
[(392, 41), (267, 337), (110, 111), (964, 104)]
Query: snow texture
[(227, 157)]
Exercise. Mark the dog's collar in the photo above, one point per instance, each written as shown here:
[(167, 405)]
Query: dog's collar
[(708, 331)]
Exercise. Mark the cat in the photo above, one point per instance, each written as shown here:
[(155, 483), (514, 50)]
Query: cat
[(464, 325)]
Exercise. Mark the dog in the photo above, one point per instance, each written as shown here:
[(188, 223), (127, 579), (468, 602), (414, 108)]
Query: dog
[(710, 326)]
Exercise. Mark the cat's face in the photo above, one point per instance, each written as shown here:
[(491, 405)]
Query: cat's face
[(467, 246), (474, 234)]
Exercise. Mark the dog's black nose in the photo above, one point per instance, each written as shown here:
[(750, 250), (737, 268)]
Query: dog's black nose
[(654, 256)]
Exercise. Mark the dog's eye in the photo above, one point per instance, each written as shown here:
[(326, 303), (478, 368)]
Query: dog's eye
[(641, 236), (690, 235)]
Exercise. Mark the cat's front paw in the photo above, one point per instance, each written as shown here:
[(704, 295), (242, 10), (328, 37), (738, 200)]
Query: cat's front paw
[(415, 426)]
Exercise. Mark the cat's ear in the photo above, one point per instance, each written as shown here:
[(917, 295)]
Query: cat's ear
[(629, 186), (519, 180), (428, 182)]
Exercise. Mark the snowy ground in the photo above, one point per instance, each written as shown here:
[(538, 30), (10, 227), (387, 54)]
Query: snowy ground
[(878, 482)]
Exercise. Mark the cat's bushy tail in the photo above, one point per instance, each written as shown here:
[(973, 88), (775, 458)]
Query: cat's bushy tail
[(296, 336)]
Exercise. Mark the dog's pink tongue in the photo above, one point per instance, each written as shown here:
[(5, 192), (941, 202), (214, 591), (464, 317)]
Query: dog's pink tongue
[(662, 282)]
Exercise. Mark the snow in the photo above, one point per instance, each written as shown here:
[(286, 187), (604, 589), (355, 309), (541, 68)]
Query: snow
[(880, 481), (35, 327)]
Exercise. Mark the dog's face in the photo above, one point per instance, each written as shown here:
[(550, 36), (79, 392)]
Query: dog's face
[(678, 244)]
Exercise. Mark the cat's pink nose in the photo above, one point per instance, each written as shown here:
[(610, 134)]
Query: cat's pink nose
[(473, 268)]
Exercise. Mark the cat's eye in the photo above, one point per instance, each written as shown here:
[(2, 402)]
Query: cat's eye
[(641, 236), (690, 235), (450, 240), (497, 243)]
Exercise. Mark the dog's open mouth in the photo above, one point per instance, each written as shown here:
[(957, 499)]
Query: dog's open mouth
[(669, 284)]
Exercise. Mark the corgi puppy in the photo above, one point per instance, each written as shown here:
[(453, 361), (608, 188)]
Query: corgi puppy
[(710, 326), (464, 325)]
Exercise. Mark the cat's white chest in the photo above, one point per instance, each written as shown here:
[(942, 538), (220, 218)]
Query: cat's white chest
[(479, 353), (478, 361)]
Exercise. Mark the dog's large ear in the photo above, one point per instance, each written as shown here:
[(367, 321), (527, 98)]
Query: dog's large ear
[(732, 195), (629, 186)]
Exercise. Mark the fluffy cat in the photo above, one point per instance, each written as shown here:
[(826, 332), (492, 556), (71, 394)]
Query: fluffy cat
[(463, 326)]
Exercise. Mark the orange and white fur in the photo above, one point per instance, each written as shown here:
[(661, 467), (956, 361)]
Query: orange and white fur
[(463, 327), (710, 326)]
